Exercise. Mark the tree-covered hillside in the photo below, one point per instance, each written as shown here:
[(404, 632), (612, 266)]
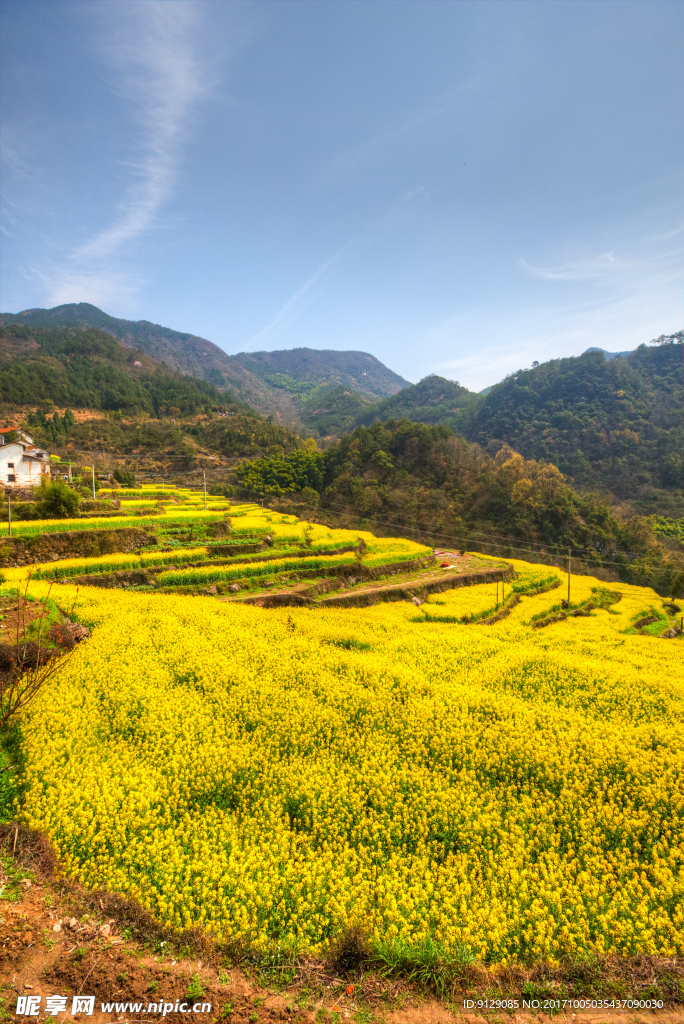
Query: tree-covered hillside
[(424, 479), (299, 370), (150, 415), (613, 424), (329, 412), (91, 369), (433, 400), (271, 382)]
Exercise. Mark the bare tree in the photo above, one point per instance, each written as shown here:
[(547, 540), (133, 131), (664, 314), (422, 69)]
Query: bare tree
[(34, 664)]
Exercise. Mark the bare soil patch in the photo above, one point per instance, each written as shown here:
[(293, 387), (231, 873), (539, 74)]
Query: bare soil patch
[(57, 939)]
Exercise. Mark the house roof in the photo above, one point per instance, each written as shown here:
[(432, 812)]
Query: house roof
[(27, 448)]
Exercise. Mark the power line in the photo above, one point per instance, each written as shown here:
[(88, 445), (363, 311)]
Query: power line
[(487, 538)]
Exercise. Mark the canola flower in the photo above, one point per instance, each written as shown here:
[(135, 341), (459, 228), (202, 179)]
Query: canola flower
[(110, 563), (386, 552), (191, 510), (281, 775), (178, 516)]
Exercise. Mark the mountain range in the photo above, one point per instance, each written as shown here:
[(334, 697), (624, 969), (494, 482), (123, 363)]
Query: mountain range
[(613, 422), (269, 382)]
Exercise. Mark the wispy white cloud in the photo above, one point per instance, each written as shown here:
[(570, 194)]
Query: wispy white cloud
[(153, 50), (668, 234), (605, 265), (631, 299)]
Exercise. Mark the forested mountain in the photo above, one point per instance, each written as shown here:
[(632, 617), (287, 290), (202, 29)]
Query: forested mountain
[(271, 382), (613, 424), (433, 400), (331, 411), (300, 370), (612, 421), (150, 414), (186, 353), (423, 479), (91, 369)]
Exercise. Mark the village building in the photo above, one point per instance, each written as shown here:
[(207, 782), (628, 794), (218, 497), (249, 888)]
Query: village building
[(22, 463)]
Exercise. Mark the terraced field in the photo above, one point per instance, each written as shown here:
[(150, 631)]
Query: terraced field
[(470, 762)]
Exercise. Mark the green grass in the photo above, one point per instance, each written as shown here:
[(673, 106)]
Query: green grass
[(11, 762)]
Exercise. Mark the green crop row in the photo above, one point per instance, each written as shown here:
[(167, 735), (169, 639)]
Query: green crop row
[(261, 568), (533, 581), (114, 563), (31, 528), (267, 567)]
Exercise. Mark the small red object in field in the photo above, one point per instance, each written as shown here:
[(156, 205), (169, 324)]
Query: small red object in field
[(350, 989), (444, 565)]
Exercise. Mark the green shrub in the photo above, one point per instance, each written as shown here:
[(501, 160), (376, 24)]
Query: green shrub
[(56, 500), (124, 478)]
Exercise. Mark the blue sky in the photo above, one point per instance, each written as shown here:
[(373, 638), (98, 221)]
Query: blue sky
[(456, 187)]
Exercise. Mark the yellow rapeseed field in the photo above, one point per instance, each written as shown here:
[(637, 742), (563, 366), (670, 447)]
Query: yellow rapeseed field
[(280, 775)]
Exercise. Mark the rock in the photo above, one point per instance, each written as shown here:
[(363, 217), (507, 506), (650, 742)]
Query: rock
[(670, 634), (233, 588), (105, 930), (211, 590), (417, 601), (57, 927)]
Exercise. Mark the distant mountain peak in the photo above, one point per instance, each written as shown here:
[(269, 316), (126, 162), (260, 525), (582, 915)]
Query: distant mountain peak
[(267, 381)]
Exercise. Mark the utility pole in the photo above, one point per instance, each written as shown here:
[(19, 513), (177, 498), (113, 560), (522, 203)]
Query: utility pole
[(205, 490), (569, 573), (9, 513), (93, 469)]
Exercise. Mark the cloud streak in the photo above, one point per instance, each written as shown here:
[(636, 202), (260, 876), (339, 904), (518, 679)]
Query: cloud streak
[(390, 138), (391, 219), (152, 50), (604, 266), (297, 303)]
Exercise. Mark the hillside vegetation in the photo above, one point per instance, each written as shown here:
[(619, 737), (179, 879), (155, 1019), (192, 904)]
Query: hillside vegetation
[(426, 480), (91, 369), (151, 416), (615, 424), (300, 370), (267, 381), (433, 400), (612, 424)]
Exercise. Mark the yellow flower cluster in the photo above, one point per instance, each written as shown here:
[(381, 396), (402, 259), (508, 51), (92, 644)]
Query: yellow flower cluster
[(283, 774), (385, 551)]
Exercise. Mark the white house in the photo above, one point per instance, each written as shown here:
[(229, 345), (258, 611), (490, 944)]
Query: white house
[(22, 463)]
